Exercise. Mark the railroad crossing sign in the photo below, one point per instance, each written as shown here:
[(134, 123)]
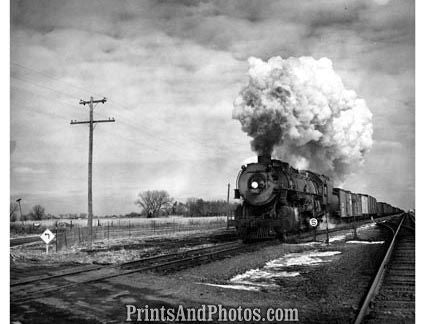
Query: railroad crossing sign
[(313, 222), (47, 236)]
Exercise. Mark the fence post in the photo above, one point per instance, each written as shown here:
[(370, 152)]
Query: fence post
[(66, 243), (79, 235), (129, 228), (108, 234), (56, 242)]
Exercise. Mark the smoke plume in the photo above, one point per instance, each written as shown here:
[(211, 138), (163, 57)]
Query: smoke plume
[(300, 109)]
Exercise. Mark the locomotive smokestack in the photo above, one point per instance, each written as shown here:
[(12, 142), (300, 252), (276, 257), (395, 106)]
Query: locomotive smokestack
[(265, 159)]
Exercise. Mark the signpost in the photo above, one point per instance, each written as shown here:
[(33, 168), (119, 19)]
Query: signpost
[(47, 237), (313, 222)]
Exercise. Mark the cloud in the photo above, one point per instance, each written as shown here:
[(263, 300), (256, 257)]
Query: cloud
[(26, 170), (172, 69), (299, 109), (12, 147)]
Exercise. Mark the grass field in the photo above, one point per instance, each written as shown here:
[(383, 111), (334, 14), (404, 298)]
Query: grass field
[(113, 228), (172, 223)]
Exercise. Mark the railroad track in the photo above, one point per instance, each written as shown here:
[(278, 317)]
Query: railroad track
[(34, 287), (24, 240), (339, 228), (31, 288), (391, 298)]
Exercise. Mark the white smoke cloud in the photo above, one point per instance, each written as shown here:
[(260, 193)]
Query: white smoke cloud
[(299, 108)]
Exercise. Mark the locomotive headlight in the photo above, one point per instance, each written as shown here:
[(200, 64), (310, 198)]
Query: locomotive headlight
[(254, 184)]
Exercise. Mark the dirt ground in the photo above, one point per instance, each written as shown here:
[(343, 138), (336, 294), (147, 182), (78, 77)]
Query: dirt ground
[(324, 282)]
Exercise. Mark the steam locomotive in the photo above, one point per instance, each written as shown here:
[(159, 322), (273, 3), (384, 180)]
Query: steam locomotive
[(277, 199)]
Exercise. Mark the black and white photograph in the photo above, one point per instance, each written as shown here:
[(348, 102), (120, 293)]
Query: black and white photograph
[(221, 161)]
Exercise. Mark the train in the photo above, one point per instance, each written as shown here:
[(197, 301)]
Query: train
[(277, 199)]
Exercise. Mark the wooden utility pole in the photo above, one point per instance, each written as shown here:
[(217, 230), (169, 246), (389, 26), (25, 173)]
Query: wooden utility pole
[(20, 210), (91, 123)]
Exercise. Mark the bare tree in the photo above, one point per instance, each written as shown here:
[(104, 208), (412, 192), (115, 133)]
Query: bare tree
[(37, 212), (154, 201)]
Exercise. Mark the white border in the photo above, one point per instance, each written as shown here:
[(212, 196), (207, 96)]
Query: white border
[(5, 157)]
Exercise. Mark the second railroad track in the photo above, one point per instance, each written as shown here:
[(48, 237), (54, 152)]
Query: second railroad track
[(391, 298)]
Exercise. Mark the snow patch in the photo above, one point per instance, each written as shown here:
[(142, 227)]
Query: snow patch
[(304, 258), (238, 287), (255, 275), (310, 243), (365, 242), (274, 270), (369, 225), (337, 238)]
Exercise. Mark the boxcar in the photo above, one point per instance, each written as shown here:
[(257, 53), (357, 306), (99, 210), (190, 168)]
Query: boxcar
[(348, 203), (380, 208), (357, 204), (365, 204), (371, 201), (341, 201)]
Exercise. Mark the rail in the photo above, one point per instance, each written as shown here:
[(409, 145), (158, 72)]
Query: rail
[(378, 277), (160, 262)]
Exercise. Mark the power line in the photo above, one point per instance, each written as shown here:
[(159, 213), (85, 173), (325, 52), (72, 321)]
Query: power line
[(45, 96), (31, 105), (42, 112), (150, 133), (50, 76), (41, 86), (123, 120)]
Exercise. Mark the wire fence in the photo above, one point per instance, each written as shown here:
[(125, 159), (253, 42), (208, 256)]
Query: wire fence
[(77, 235)]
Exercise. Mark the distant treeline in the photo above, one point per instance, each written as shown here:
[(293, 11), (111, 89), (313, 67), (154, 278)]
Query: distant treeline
[(196, 207), (193, 207)]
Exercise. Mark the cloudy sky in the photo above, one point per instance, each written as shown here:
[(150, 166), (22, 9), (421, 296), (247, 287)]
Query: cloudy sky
[(171, 71)]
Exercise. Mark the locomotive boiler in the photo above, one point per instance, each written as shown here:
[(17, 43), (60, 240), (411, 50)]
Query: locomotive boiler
[(277, 199)]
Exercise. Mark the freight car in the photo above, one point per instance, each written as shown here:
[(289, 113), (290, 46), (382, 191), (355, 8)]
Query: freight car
[(277, 199)]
